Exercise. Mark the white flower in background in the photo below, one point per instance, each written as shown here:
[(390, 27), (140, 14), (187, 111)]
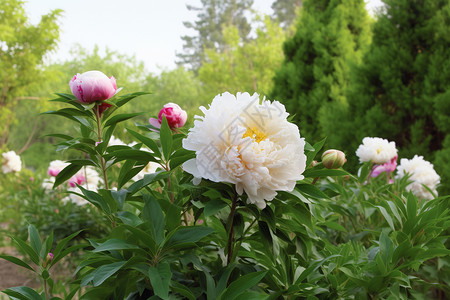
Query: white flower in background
[(148, 169), (11, 162), (377, 150), (56, 166), (251, 145), (422, 173), (113, 141)]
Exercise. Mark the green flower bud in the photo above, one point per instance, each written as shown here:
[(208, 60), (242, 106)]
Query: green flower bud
[(333, 159)]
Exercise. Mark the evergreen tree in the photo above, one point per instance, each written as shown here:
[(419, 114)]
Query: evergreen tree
[(402, 90), (213, 16), (331, 34), (247, 66)]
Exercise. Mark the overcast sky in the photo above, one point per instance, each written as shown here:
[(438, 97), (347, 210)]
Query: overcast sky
[(148, 29)]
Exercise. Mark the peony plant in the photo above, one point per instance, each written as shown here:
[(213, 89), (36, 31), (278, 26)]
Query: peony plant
[(235, 208)]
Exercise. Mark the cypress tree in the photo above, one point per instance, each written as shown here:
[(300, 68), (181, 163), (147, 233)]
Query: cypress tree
[(401, 91), (331, 34)]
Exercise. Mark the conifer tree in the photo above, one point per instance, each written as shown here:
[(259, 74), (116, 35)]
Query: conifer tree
[(331, 34), (212, 17), (402, 90)]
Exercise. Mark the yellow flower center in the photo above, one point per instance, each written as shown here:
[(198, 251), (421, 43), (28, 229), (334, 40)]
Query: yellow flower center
[(255, 134)]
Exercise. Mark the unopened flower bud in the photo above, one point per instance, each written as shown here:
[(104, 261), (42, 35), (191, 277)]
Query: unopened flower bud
[(175, 116), (333, 159)]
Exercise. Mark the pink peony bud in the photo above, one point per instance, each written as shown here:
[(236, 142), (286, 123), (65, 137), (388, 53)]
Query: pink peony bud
[(50, 256), (388, 167), (92, 86), (333, 159), (31, 179), (176, 117)]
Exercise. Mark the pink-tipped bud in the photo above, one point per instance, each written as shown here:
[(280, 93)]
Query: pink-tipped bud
[(50, 256), (176, 117), (333, 159), (93, 86)]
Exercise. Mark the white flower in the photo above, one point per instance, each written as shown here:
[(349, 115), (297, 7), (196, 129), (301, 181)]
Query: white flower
[(377, 150), (422, 173), (56, 166), (148, 169), (113, 141), (11, 162), (248, 144)]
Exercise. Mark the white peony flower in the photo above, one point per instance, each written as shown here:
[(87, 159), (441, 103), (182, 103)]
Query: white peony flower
[(11, 162), (113, 141), (377, 150), (251, 145), (422, 173), (56, 166)]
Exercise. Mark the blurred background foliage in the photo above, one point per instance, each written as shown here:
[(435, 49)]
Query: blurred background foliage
[(342, 73)]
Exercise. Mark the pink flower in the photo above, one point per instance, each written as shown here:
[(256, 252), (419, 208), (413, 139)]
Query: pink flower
[(93, 86), (176, 117), (55, 167), (388, 167), (77, 179)]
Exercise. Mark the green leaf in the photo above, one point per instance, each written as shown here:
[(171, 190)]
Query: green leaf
[(387, 217), (17, 261), (61, 246), (151, 144), (364, 171), (213, 207), (148, 179), (311, 154), (114, 244), (129, 218), (311, 190), (23, 293), (35, 239), (66, 174), (185, 235), (153, 213), (96, 199), (313, 173), (99, 275), (126, 98), (120, 118), (34, 256), (160, 277), (241, 285), (334, 225), (133, 154), (166, 138)]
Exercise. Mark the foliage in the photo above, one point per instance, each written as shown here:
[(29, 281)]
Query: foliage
[(244, 66), (22, 49), (213, 16), (314, 76), (335, 236), (286, 12), (400, 91)]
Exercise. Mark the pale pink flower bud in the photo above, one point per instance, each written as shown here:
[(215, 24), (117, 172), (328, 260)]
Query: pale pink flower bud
[(176, 117), (50, 256), (93, 86), (333, 159)]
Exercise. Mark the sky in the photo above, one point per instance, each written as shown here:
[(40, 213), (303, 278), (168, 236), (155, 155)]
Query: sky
[(150, 30)]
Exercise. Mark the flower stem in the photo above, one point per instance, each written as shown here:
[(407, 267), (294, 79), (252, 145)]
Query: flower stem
[(99, 138), (230, 230)]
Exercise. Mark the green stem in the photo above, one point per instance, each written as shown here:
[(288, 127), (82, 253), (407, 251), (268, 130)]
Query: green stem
[(230, 230), (99, 138)]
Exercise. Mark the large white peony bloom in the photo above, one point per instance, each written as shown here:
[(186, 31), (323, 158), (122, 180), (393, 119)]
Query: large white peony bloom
[(377, 150), (251, 145), (422, 173), (11, 162)]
